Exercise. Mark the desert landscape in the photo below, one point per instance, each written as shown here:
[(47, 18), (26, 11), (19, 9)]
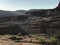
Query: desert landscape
[(36, 39), (32, 27)]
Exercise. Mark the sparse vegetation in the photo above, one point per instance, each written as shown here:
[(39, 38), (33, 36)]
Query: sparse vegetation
[(30, 35), (44, 23), (41, 40), (19, 34), (53, 41), (57, 36)]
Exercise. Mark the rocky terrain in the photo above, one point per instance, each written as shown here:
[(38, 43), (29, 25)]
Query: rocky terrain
[(43, 21), (32, 21), (32, 27)]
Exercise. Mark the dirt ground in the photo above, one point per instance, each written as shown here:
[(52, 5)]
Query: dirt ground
[(8, 42), (4, 40), (21, 40)]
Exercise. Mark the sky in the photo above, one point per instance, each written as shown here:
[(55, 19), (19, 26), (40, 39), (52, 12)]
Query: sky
[(27, 4)]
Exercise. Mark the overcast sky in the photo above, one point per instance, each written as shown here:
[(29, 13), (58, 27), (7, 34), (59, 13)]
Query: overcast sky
[(27, 4)]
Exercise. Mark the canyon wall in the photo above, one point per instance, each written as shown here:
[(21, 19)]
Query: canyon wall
[(35, 21)]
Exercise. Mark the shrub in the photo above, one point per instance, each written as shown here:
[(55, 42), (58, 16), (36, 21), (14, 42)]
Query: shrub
[(57, 36), (19, 34), (30, 41), (41, 40), (53, 41), (30, 35)]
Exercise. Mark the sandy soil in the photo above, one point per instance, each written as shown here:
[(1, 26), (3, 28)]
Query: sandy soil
[(9, 42)]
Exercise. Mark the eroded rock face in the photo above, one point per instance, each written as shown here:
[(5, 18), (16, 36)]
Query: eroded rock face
[(37, 21), (14, 29), (43, 21)]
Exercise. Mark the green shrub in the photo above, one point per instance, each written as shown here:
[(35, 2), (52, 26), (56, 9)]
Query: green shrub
[(53, 41), (57, 36), (30, 35), (41, 40), (19, 34)]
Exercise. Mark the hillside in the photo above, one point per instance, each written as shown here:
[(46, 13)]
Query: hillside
[(31, 21), (43, 21)]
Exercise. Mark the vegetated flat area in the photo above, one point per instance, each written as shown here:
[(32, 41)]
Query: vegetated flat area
[(36, 39)]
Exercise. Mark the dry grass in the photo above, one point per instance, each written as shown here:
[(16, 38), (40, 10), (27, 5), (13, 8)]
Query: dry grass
[(21, 40)]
